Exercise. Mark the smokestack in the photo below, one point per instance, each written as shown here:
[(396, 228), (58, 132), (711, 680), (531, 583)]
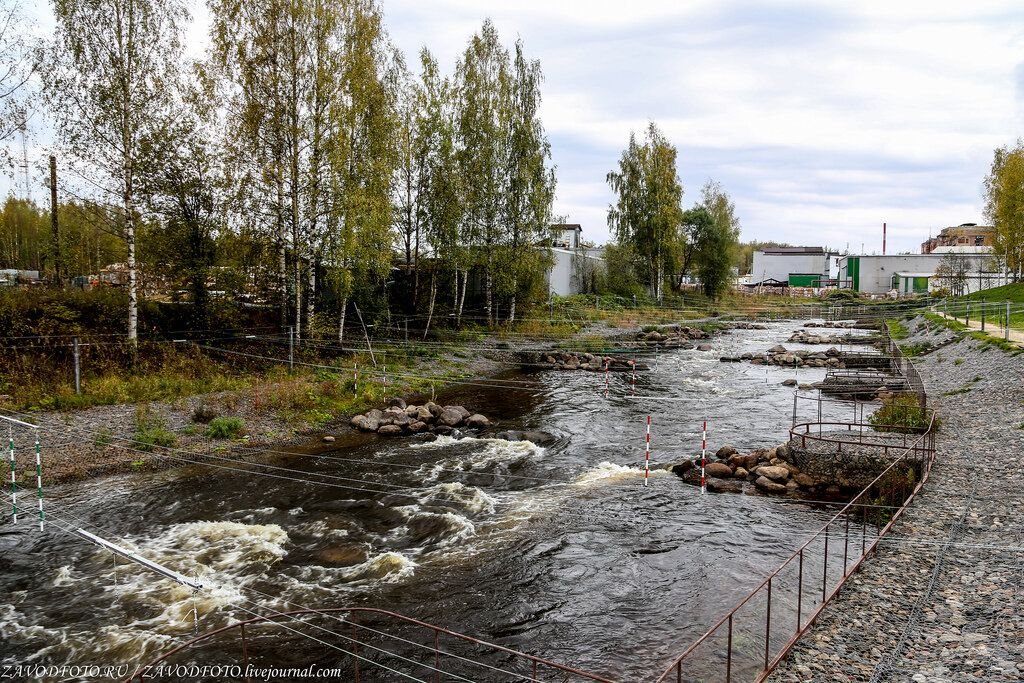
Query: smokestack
[(883, 239)]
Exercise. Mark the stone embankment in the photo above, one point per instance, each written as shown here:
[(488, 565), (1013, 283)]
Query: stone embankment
[(571, 360), (942, 598), (805, 337), (780, 355), (400, 418), (766, 470)]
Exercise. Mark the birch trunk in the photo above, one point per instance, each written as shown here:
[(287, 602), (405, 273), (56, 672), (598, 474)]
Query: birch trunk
[(341, 320)]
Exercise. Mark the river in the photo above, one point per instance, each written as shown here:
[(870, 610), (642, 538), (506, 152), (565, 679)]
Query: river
[(560, 551)]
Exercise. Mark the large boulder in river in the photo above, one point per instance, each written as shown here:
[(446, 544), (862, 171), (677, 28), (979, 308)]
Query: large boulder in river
[(396, 403), (777, 349), (451, 417), (434, 409), (442, 430), (374, 414), (716, 485), (682, 468), (358, 422), (766, 484), (423, 414), (460, 410), (718, 469), (539, 438), (390, 430), (477, 421), (773, 472), (725, 451), (418, 426)]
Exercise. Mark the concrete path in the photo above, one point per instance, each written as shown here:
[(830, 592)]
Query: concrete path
[(994, 330), (942, 599)]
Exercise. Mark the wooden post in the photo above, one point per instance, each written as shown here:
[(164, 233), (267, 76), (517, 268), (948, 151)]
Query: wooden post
[(54, 229)]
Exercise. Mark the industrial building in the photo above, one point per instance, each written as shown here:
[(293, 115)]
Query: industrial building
[(909, 274), (794, 267), (965, 235)]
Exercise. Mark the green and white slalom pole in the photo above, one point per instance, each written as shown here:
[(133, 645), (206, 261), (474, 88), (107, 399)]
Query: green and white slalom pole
[(39, 481), (14, 483)]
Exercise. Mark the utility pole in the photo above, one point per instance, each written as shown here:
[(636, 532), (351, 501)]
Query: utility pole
[(54, 226)]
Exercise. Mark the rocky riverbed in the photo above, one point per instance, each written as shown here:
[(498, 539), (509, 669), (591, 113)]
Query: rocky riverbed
[(765, 470), (942, 599)]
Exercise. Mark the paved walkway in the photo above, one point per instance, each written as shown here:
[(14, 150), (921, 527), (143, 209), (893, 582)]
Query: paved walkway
[(994, 330), (943, 597)]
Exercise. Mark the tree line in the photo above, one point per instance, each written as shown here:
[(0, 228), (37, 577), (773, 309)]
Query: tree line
[(1004, 206), (301, 149), (302, 152)]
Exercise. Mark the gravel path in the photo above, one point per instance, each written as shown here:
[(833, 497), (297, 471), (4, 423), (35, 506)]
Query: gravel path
[(941, 600)]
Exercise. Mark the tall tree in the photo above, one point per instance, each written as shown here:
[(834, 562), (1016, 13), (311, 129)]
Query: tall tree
[(648, 211), (16, 69), (113, 67), (483, 85), (1004, 206), (529, 189), (715, 245), (440, 203)]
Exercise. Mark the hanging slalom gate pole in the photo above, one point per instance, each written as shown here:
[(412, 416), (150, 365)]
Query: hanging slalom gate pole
[(704, 458), (39, 481), (355, 379), (14, 484), (385, 381), (647, 452)]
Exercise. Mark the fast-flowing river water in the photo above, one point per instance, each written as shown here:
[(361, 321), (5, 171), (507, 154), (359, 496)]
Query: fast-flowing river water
[(557, 550)]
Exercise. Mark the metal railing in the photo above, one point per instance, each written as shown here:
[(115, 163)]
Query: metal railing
[(437, 652), (756, 634), (753, 637)]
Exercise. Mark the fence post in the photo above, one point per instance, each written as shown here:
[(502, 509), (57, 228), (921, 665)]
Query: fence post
[(291, 349), (982, 315), (78, 366), (1006, 329), (967, 314)]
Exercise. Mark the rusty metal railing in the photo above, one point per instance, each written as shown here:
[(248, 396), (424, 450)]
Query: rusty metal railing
[(773, 616), (530, 667)]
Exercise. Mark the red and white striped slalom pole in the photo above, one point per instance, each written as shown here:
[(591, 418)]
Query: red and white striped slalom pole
[(647, 452), (355, 379), (704, 458)]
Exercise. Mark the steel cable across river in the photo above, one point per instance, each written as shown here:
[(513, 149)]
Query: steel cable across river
[(556, 550)]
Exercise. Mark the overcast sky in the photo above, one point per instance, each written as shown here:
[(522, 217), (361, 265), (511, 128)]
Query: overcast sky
[(821, 119)]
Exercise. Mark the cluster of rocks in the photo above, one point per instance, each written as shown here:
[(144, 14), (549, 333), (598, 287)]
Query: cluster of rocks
[(779, 355), (804, 337), (674, 337), (770, 470), (743, 325), (570, 360), (845, 324), (399, 418)]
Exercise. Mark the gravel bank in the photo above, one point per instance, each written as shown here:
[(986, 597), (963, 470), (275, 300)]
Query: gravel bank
[(941, 600)]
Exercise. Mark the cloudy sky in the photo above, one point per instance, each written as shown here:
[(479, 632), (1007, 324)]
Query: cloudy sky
[(821, 119)]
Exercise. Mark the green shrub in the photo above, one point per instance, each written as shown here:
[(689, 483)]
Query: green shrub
[(155, 436), (902, 412), (226, 428)]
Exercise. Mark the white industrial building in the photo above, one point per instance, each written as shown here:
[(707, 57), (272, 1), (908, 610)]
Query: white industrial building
[(573, 265), (793, 266), (908, 274)]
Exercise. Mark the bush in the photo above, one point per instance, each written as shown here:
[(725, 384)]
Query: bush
[(225, 428), (155, 436), (899, 413)]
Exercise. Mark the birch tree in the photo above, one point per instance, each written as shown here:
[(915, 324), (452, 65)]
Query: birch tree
[(1004, 206), (529, 181), (16, 69), (483, 89), (648, 212), (113, 67)]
